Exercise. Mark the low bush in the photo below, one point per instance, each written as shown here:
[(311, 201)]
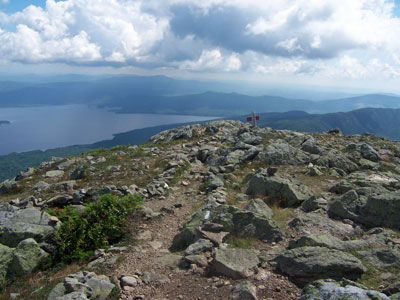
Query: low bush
[(100, 224)]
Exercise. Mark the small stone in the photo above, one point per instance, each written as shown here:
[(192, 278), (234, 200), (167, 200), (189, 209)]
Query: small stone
[(129, 281)]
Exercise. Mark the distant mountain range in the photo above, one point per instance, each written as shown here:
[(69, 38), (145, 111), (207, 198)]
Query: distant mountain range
[(160, 94), (383, 122)]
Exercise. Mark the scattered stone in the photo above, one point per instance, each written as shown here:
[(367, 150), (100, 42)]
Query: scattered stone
[(82, 286)]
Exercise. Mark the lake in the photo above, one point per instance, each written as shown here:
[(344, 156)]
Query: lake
[(48, 127)]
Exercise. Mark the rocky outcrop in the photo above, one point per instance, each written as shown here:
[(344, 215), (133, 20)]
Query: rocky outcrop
[(329, 289), (307, 264), (20, 224), (279, 189)]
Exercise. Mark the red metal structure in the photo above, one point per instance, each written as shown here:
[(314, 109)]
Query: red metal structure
[(253, 119)]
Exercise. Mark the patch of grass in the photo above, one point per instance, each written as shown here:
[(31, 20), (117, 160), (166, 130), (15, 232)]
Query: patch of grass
[(95, 152), (179, 173), (37, 285), (282, 216), (240, 242)]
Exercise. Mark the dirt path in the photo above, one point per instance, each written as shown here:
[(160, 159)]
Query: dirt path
[(167, 280)]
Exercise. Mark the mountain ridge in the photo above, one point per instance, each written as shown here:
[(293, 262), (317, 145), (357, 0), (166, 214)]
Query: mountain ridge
[(227, 210)]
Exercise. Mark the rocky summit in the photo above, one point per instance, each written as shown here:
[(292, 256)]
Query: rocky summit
[(228, 211)]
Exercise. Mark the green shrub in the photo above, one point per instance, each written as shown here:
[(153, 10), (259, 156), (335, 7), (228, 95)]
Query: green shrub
[(97, 226)]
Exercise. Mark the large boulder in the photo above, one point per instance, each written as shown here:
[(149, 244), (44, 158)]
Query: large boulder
[(258, 206), (235, 263), (376, 182), (369, 153), (280, 189), (27, 257), (381, 258), (336, 159), (234, 220), (371, 210), (7, 186), (320, 224), (6, 257), (307, 264), (329, 289), (17, 225)]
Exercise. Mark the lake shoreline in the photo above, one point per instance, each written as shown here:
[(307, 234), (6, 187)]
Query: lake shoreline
[(49, 127)]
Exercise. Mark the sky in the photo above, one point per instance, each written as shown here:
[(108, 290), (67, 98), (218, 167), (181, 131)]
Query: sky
[(352, 43)]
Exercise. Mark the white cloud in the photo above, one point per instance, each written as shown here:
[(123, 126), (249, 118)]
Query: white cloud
[(353, 38), (4, 1)]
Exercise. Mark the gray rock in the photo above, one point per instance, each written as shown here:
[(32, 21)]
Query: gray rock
[(20, 224), (313, 203), (66, 164), (235, 263), (310, 146), (198, 247), (59, 200), (329, 289), (7, 186), (41, 186), (280, 152), (24, 174), (101, 286), (81, 286), (73, 296), (381, 258), (327, 241), (198, 260), (103, 262), (184, 132), (58, 291), (393, 289), (369, 153), (6, 257), (307, 264), (244, 291), (279, 189), (170, 260), (54, 174), (372, 210), (258, 206), (27, 257), (129, 281), (154, 278)]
